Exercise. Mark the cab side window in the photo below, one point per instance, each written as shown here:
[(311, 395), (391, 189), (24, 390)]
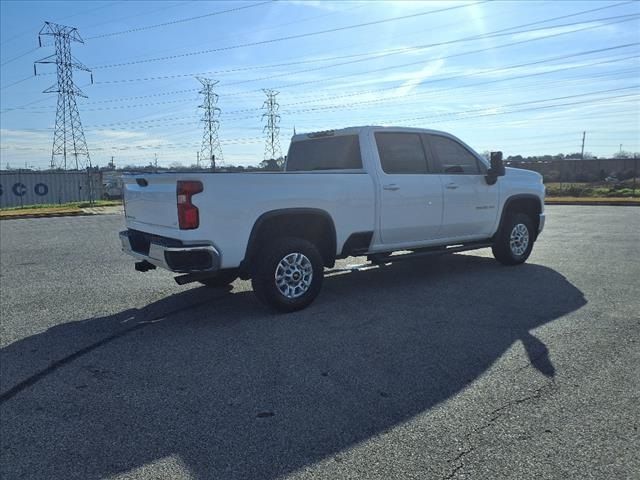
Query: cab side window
[(453, 157), (401, 153)]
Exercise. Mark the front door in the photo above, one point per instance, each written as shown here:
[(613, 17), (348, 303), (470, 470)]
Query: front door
[(470, 204), (411, 198)]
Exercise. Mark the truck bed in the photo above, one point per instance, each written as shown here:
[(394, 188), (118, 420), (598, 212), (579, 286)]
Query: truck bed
[(231, 203)]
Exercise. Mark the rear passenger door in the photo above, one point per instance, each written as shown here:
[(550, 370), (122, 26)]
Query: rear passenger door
[(470, 204), (411, 198)]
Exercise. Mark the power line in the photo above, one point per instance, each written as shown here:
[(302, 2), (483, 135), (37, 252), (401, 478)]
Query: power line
[(149, 146), (255, 140), (27, 106), (484, 82), (464, 86), (182, 20), (289, 37), (418, 62), (170, 119), (433, 93), (459, 54), (147, 13), (395, 51), (490, 111), (368, 57), (21, 107), (243, 34), (138, 105), (498, 33), (17, 82), (465, 76), (374, 55), (133, 122), (532, 108), (156, 77), (557, 116), (18, 57), (90, 10), (352, 74), (396, 98), (245, 92)]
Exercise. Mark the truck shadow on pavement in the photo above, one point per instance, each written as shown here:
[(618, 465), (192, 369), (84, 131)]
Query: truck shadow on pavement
[(232, 392)]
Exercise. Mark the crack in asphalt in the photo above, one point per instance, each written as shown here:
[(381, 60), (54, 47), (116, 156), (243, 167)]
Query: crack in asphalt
[(36, 377), (494, 415)]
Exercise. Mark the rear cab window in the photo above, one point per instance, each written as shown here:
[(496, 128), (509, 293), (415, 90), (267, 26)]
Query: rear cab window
[(401, 153), (341, 152)]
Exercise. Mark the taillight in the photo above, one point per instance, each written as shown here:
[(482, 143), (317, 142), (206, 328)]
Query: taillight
[(188, 215)]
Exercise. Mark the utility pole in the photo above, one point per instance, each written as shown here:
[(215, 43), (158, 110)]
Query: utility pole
[(198, 159), (68, 135), (582, 151), (635, 174), (155, 161), (211, 148), (272, 148)]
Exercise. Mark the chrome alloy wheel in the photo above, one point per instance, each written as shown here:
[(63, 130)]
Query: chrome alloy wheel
[(519, 239), (293, 275)]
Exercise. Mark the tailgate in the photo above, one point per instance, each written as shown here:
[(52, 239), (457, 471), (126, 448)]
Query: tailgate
[(151, 199)]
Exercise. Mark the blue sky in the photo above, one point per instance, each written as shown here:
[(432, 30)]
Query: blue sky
[(500, 75)]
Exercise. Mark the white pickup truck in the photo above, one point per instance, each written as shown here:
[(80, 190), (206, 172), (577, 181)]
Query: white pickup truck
[(357, 191)]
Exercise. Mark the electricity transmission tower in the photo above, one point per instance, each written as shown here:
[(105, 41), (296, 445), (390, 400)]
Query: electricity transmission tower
[(68, 136), (272, 150), (211, 148)]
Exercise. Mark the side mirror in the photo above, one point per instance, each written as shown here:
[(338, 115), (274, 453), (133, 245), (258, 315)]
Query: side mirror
[(497, 168)]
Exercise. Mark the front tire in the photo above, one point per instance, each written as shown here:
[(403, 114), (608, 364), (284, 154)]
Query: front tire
[(289, 274), (514, 241)]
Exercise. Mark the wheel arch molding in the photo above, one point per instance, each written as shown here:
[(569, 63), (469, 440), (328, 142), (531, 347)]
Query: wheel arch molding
[(522, 202), (313, 224)]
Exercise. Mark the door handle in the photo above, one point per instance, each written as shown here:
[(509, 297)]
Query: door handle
[(451, 186), (391, 186)]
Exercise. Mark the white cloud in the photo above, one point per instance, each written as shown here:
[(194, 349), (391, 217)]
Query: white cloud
[(10, 134), (550, 31), (416, 78), (119, 134), (319, 4)]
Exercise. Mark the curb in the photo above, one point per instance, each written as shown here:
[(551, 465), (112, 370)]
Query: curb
[(79, 213), (596, 203), (45, 215)]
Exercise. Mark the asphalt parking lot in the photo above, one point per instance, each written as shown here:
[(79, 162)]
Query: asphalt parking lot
[(449, 367)]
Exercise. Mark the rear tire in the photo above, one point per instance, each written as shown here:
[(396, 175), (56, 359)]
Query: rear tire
[(514, 241), (222, 279), (288, 274)]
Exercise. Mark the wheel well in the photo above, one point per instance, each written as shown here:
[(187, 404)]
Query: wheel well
[(313, 225), (529, 205)]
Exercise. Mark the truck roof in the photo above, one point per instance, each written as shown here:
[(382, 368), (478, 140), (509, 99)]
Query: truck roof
[(357, 130)]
